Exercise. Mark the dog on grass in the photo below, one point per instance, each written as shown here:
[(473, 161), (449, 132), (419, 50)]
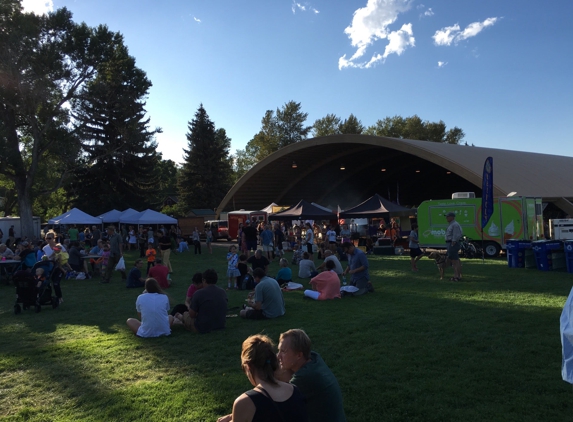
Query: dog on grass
[(442, 262)]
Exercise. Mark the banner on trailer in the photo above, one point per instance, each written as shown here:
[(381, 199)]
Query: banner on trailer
[(487, 192)]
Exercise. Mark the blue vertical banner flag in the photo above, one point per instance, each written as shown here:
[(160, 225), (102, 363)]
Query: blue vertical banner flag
[(487, 192)]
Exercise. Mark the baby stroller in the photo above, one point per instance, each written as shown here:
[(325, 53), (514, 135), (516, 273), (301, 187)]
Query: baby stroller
[(28, 294)]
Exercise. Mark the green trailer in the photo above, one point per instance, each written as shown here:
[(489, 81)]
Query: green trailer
[(515, 217)]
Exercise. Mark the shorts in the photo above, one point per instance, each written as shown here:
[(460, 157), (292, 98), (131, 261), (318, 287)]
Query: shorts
[(233, 272), (453, 251), (255, 314), (268, 248), (415, 252), (251, 245)]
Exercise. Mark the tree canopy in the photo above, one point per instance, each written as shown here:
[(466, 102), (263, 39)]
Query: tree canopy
[(414, 128), (206, 174), (45, 64)]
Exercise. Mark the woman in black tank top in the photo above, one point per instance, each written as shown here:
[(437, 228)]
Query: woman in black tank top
[(271, 400)]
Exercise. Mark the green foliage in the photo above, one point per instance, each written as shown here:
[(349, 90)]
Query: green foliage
[(418, 349), (45, 63), (328, 125), (119, 152), (206, 174), (278, 130), (351, 126), (414, 128)]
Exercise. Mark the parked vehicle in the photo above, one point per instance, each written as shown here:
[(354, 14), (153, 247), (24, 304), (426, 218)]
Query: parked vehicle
[(220, 229), (516, 218), (237, 217)]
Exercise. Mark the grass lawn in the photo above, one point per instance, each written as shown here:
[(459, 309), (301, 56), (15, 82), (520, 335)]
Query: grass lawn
[(418, 349)]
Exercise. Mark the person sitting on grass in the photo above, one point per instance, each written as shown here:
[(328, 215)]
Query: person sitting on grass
[(306, 268), (271, 399), (296, 254), (325, 285), (208, 308), (266, 301), (259, 261), (306, 370), (134, 278), (285, 273), (153, 310), (196, 284), (330, 256), (160, 272)]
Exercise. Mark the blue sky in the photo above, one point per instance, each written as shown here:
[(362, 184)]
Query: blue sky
[(501, 70)]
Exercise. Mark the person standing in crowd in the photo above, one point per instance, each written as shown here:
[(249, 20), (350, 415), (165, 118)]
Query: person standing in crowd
[(250, 237), (358, 269), (309, 241), (307, 370), (279, 239), (116, 252), (73, 233), (453, 241), (141, 241), (196, 236), (96, 235), (209, 239), (414, 245), (132, 238), (165, 249), (267, 242)]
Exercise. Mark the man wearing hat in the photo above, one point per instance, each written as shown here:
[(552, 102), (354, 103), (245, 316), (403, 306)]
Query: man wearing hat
[(116, 252), (453, 237)]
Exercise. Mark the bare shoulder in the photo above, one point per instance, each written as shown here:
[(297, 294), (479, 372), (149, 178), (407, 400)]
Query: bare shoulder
[(243, 409)]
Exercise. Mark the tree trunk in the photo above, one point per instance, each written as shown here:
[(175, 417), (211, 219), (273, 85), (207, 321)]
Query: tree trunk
[(25, 208)]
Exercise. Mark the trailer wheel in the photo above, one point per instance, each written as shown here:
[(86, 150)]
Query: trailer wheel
[(491, 250)]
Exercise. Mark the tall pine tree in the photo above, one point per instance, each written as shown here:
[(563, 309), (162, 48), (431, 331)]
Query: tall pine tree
[(119, 149), (206, 174)]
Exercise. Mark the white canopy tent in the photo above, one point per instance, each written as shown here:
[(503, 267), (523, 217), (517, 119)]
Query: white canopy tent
[(75, 216), (111, 216), (147, 217)]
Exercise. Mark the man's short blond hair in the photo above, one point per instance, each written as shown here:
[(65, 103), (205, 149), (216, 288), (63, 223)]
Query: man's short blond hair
[(298, 341)]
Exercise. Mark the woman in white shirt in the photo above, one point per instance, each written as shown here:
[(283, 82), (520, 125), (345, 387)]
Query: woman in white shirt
[(153, 310)]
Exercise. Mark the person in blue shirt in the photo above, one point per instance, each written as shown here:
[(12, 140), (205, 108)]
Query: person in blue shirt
[(358, 269)]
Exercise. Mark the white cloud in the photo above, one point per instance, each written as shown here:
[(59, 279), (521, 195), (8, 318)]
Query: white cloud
[(429, 12), (197, 19), (370, 24), (453, 34), (39, 7), (442, 64), (303, 7)]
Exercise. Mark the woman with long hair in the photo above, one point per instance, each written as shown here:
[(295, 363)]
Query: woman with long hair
[(153, 310), (271, 400)]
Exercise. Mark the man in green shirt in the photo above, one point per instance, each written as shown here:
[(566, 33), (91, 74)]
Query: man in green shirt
[(73, 233), (306, 369)]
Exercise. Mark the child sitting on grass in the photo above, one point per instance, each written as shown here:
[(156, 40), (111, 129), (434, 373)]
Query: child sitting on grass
[(296, 254)]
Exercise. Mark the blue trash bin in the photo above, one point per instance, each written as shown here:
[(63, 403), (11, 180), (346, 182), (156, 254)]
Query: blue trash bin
[(568, 247), (548, 254), (516, 253)]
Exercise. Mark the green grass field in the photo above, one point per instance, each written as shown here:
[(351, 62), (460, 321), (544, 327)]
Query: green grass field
[(418, 349)]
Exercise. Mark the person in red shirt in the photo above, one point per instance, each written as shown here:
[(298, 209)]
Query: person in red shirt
[(326, 285), (160, 273)]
